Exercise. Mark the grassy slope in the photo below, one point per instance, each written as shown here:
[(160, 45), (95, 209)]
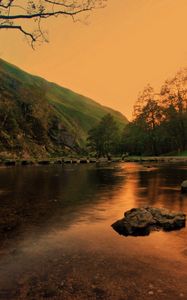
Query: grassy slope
[(77, 113)]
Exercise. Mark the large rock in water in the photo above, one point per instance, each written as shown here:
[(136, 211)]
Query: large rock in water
[(141, 221)]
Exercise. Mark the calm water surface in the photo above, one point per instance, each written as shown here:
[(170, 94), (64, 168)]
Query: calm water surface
[(56, 240)]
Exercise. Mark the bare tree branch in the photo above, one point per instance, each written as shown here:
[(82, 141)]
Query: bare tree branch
[(14, 13), (27, 34), (6, 4)]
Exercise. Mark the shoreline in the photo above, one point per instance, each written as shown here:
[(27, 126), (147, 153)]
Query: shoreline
[(86, 160)]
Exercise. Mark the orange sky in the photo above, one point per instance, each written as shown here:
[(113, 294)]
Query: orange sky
[(125, 46)]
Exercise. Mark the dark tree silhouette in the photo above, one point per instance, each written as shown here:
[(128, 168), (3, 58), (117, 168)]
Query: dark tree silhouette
[(104, 138), (27, 16), (160, 119)]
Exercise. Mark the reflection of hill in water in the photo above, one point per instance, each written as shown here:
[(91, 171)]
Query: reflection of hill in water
[(40, 196)]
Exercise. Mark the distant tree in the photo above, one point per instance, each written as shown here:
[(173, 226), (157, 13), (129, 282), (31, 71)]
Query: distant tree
[(174, 101), (160, 120), (103, 139), (147, 119), (174, 92), (144, 97), (27, 16), (133, 139)]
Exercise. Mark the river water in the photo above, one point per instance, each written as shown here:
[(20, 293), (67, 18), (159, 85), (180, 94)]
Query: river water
[(56, 239)]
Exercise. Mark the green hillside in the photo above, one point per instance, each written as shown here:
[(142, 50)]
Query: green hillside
[(39, 118)]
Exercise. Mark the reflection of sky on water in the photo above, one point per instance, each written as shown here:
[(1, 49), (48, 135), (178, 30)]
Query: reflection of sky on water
[(67, 212)]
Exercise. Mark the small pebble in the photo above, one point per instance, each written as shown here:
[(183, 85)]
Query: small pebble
[(151, 293), (62, 283)]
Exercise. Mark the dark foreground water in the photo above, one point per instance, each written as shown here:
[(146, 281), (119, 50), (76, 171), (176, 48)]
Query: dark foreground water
[(56, 240)]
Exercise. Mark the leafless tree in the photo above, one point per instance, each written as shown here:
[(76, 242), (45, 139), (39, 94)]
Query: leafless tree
[(27, 16)]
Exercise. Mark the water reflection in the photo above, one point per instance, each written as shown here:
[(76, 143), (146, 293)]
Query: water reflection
[(44, 195), (56, 239), (161, 187)]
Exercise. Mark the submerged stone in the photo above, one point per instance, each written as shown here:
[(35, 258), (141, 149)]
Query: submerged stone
[(184, 186), (141, 221)]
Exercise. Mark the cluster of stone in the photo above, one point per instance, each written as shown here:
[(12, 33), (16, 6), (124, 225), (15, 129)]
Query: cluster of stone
[(141, 221)]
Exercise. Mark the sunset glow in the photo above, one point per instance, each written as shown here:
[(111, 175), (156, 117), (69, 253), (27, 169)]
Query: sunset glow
[(125, 46)]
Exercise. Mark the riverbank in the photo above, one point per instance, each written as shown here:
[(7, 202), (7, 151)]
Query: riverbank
[(87, 160)]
